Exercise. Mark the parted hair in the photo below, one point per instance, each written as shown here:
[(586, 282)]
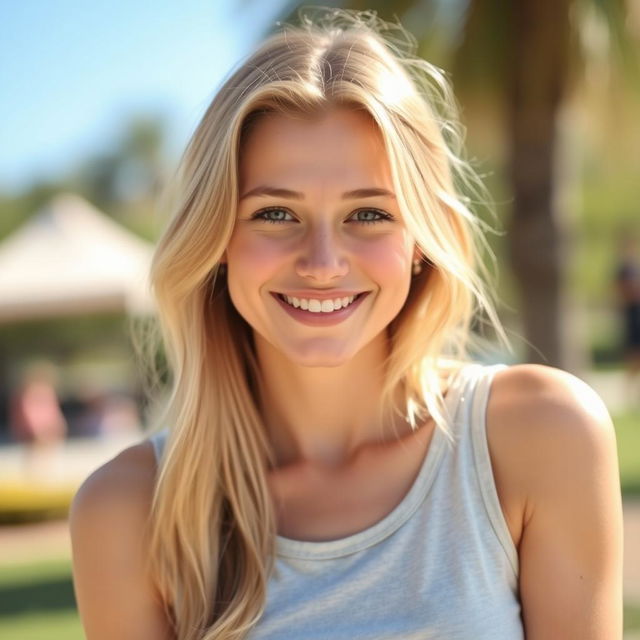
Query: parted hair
[(212, 527)]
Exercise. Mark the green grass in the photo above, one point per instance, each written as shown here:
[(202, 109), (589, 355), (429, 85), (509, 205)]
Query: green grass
[(57, 625), (628, 436), (37, 602), (632, 616)]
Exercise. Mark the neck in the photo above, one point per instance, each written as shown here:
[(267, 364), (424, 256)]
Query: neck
[(323, 415)]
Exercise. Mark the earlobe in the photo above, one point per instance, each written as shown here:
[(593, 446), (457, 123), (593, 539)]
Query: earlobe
[(222, 264), (416, 266)]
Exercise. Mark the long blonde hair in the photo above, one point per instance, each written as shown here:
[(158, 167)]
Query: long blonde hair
[(212, 526)]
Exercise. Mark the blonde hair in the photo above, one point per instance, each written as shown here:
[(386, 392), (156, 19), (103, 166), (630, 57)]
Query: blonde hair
[(212, 528)]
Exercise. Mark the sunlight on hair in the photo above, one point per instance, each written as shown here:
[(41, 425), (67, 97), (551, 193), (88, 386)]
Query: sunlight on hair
[(394, 88)]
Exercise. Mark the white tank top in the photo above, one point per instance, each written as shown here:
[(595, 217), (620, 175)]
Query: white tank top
[(440, 566)]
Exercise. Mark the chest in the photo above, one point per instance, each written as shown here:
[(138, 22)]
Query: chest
[(318, 504), (397, 588), (315, 505)]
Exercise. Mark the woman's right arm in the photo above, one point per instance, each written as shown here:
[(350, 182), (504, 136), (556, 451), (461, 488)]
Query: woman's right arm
[(115, 595)]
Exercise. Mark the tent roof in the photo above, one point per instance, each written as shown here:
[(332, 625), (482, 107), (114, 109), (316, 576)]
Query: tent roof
[(70, 258)]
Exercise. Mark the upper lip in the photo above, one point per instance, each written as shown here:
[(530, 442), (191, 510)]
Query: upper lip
[(319, 294)]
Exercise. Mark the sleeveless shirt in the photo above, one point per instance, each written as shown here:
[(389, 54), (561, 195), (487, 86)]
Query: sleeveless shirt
[(440, 566)]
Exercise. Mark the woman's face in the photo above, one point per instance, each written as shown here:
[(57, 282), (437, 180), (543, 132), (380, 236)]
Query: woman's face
[(319, 262)]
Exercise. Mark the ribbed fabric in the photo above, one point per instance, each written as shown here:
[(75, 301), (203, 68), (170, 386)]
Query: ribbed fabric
[(440, 566)]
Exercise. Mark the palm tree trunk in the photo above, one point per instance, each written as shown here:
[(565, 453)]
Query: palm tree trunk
[(538, 76)]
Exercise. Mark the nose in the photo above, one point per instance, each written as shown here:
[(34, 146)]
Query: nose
[(322, 259)]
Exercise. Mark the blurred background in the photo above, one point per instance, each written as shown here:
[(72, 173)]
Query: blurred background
[(98, 101)]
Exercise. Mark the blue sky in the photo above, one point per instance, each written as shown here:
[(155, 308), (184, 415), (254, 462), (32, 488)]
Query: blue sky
[(73, 71)]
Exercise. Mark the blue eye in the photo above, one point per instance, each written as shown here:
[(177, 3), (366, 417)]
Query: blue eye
[(273, 215), (371, 216)]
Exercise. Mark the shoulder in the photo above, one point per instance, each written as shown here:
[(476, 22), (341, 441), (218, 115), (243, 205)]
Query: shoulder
[(125, 483), (115, 592), (547, 402), (116, 496), (555, 448), (547, 428)]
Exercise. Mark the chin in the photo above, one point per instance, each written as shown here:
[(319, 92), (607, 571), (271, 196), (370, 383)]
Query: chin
[(320, 355)]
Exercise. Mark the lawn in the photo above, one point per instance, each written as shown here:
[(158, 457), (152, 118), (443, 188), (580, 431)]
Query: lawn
[(37, 602), (628, 436)]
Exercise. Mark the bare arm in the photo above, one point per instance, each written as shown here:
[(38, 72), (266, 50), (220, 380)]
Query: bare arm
[(571, 547), (115, 595)]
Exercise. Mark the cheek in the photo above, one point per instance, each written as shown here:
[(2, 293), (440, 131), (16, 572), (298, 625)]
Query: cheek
[(388, 258), (252, 256)]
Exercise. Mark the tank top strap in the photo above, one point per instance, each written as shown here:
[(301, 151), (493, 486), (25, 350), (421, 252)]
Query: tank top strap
[(158, 441), (471, 390), (472, 423)]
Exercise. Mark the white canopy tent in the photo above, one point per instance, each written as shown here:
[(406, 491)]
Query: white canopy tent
[(71, 259)]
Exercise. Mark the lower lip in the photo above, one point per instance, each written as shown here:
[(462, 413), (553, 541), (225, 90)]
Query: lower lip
[(320, 319)]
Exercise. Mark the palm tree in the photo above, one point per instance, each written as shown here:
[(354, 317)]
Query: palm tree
[(522, 52)]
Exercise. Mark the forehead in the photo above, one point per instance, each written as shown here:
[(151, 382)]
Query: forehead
[(343, 146)]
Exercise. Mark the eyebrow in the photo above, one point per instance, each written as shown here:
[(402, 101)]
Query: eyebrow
[(265, 190)]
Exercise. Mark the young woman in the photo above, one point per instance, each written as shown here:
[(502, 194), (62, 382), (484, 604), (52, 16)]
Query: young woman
[(333, 466)]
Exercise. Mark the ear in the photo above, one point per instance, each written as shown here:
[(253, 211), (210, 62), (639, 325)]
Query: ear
[(223, 259)]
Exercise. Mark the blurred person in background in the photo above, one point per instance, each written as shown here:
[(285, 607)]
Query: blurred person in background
[(106, 413), (331, 463), (628, 288), (36, 419)]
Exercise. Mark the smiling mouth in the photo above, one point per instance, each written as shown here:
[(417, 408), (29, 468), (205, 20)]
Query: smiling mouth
[(313, 305)]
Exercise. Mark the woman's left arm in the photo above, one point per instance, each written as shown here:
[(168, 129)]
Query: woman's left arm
[(571, 546)]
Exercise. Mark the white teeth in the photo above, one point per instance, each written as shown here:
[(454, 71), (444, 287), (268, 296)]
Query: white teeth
[(319, 306), (327, 306)]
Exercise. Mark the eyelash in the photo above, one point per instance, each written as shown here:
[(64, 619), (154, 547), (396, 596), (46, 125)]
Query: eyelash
[(259, 215)]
